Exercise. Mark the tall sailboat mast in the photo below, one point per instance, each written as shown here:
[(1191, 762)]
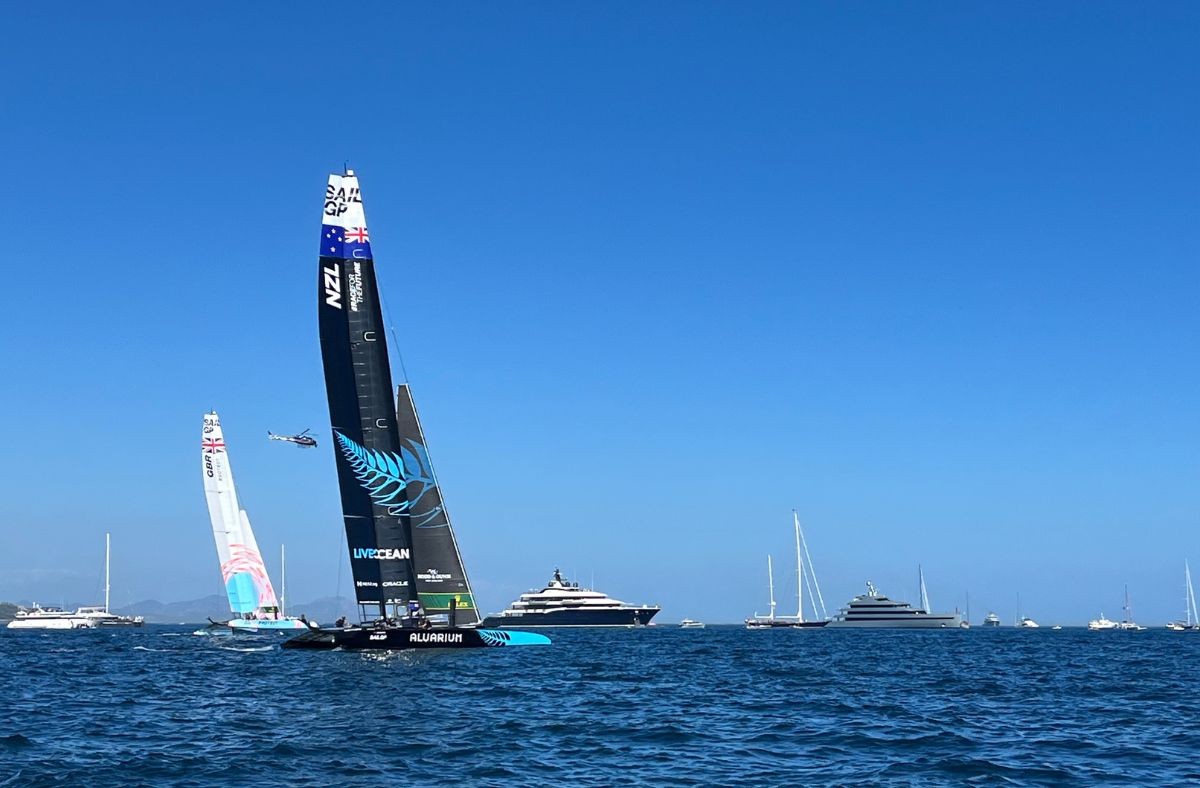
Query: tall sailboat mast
[(771, 586), (924, 593), (799, 576), (282, 580), (815, 590), (107, 555), (1193, 619)]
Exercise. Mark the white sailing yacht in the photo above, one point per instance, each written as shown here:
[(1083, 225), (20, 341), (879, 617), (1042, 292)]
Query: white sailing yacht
[(252, 598), (1128, 623), (1024, 622), (88, 617), (1191, 619), (806, 576), (768, 621), (101, 615)]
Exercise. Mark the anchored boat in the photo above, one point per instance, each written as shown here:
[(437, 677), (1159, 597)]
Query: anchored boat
[(1191, 619), (806, 577), (409, 579), (873, 610), (562, 603), (88, 617)]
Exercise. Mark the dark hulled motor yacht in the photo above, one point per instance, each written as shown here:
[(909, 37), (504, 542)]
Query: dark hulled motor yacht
[(565, 604)]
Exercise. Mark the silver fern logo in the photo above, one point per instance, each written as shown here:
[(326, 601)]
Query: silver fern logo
[(493, 637), (398, 483)]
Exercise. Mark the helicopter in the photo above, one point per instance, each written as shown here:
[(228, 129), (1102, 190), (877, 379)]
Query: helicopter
[(303, 439)]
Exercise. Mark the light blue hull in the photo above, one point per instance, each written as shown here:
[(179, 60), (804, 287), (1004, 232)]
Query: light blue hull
[(266, 625)]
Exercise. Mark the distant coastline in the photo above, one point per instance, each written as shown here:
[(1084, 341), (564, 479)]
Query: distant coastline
[(198, 611)]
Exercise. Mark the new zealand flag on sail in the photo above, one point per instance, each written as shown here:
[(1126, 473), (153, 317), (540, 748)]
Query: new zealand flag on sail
[(348, 242)]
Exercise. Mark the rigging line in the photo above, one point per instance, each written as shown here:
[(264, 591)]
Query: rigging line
[(812, 599), (394, 347), (812, 569)]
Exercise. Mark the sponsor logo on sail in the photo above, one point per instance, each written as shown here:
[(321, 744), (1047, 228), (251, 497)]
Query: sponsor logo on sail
[(355, 286), (338, 200), (382, 553), (435, 637), (394, 583), (333, 286), (432, 576), (366, 584)]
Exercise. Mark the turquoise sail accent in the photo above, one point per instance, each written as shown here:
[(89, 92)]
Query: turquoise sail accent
[(243, 594)]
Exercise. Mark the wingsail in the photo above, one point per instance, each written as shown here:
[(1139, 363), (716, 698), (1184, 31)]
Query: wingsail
[(358, 386), (242, 568)]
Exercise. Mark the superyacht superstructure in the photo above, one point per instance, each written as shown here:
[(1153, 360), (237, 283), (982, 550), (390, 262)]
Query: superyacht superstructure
[(873, 610), (564, 604)]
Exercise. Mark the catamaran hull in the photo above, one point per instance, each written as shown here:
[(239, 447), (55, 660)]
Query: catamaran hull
[(54, 623), (395, 639), (251, 626)]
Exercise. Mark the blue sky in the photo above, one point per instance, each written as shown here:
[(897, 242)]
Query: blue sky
[(660, 272)]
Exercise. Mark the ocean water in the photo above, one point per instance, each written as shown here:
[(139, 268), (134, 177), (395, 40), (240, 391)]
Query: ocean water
[(659, 706)]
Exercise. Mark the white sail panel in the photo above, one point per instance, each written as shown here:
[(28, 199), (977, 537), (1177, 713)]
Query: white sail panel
[(242, 569), (343, 203)]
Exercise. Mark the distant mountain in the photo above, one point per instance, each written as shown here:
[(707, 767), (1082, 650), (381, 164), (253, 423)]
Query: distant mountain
[(193, 611), (216, 607), (7, 611), (325, 610)]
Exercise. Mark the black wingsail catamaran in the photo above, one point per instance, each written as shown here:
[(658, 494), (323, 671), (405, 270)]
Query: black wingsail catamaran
[(409, 579)]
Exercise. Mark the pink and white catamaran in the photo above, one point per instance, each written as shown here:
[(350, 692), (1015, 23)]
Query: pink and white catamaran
[(252, 598)]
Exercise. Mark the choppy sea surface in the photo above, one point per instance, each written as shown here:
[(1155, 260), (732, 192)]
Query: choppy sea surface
[(658, 706)]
